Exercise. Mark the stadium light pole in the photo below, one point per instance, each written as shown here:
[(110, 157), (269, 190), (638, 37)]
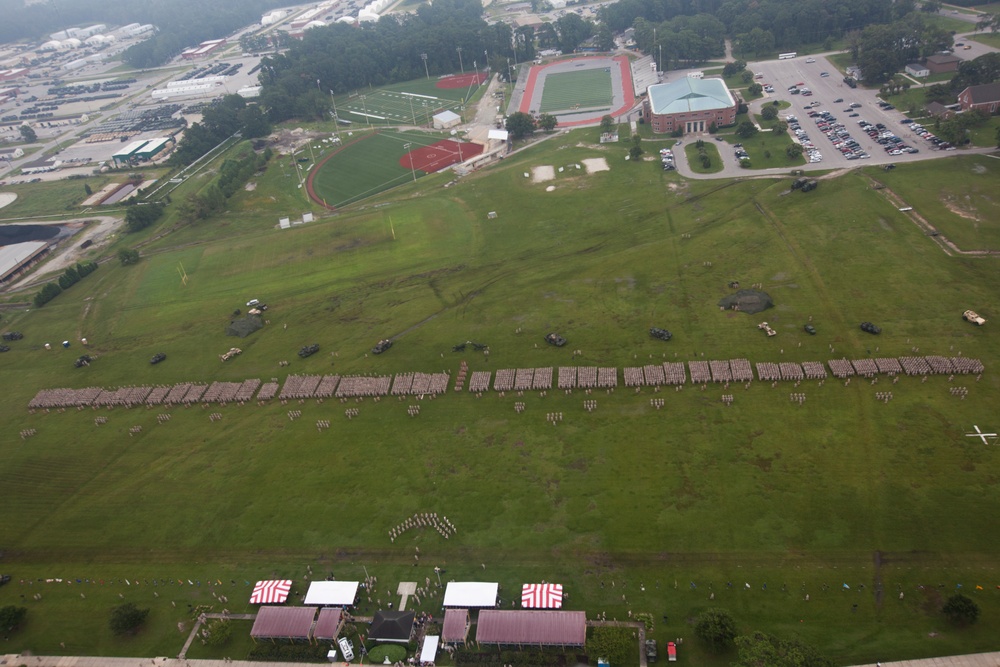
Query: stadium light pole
[(459, 49), (423, 56), (406, 147), (368, 119), (412, 115)]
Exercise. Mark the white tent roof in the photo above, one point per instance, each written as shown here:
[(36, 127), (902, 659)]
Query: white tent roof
[(446, 116), (429, 651), (332, 593), (471, 594), (500, 135)]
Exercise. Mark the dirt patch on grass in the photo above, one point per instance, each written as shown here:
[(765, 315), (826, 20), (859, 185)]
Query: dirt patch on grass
[(596, 164), (955, 208), (7, 198), (543, 173)]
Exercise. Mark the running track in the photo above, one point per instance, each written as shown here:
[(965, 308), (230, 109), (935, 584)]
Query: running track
[(627, 90)]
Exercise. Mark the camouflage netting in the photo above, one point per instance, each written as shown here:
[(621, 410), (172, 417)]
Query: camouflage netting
[(244, 326), (749, 301)]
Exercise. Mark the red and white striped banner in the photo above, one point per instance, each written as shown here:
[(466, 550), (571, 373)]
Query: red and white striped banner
[(274, 591), (541, 596)]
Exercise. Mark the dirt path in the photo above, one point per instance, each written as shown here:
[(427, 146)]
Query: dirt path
[(948, 247)]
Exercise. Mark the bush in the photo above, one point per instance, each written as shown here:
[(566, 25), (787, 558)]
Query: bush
[(128, 257), (127, 619), (716, 628), (11, 617), (961, 610), (217, 632), (615, 644), (48, 292), (140, 216)]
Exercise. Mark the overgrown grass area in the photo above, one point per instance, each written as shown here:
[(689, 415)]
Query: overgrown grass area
[(691, 505), (53, 198), (987, 38)]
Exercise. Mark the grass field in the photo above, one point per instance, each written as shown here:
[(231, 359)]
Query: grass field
[(367, 166), (843, 489), (987, 38), (693, 152), (407, 103), (584, 89)]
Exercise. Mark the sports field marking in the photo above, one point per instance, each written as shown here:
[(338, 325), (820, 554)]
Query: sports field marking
[(428, 97), (575, 90)]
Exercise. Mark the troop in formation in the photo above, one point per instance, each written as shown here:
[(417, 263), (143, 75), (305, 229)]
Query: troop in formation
[(519, 379), (423, 520)]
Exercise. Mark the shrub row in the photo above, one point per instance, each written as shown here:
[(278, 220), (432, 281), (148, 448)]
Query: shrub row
[(70, 277)]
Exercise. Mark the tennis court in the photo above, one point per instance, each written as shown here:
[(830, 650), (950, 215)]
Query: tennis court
[(585, 89), (375, 162), (409, 103)]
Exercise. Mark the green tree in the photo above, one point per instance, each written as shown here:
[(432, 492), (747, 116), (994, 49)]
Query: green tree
[(128, 256), (794, 151), (746, 129), (763, 650), (780, 127), (253, 122), (88, 189), (28, 134), (573, 29), (607, 123), (615, 644), (635, 151), (716, 628), (757, 41), (733, 67), (755, 89), (605, 38), (217, 632), (48, 292), (769, 112), (127, 619), (140, 216), (11, 617), (547, 122), (746, 77), (961, 610), (520, 125)]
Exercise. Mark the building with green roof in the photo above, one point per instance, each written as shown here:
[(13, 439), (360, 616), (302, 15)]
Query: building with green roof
[(690, 104)]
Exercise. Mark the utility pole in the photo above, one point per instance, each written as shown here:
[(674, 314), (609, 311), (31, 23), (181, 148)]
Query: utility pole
[(459, 49), (406, 147), (423, 56)]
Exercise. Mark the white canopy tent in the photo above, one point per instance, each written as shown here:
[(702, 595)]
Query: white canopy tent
[(332, 593), (428, 653), (471, 594)]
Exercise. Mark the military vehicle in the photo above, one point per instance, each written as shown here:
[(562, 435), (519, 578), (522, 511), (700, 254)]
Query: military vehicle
[(662, 334), (309, 350), (650, 650), (4, 579), (764, 326), (810, 329), (555, 339), (870, 328), (157, 358), (233, 351), (82, 360), (972, 316), (4, 348), (809, 185), (13, 335), (382, 346)]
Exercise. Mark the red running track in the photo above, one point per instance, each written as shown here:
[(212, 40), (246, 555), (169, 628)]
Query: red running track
[(462, 80), (439, 155), (628, 90)]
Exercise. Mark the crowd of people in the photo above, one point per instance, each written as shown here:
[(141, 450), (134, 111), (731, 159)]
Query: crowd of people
[(522, 379)]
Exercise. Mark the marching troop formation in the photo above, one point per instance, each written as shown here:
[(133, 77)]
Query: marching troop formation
[(519, 379)]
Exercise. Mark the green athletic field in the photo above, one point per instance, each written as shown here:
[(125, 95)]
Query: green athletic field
[(408, 103), (803, 499), (367, 166), (584, 89)]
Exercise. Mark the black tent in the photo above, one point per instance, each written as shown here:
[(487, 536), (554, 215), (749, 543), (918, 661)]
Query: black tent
[(391, 626)]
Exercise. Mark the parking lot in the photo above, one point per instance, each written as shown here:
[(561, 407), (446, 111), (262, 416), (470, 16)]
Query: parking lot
[(783, 74)]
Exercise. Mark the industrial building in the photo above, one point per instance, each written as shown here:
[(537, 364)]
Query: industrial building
[(691, 105), (13, 73), (141, 151), (204, 49)]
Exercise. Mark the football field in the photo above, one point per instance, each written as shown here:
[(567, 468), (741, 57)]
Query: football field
[(576, 90)]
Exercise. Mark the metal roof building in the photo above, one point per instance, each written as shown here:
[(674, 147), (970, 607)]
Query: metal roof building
[(689, 104), (283, 623), (532, 628)]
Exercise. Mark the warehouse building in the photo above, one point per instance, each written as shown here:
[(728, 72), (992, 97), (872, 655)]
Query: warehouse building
[(690, 104)]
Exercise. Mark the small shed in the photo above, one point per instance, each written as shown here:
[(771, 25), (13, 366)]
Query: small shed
[(428, 652), (446, 119), (917, 70)]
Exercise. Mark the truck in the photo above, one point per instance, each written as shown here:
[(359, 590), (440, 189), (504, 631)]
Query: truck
[(973, 316)]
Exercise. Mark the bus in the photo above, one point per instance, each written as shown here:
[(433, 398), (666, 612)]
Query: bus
[(787, 56)]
